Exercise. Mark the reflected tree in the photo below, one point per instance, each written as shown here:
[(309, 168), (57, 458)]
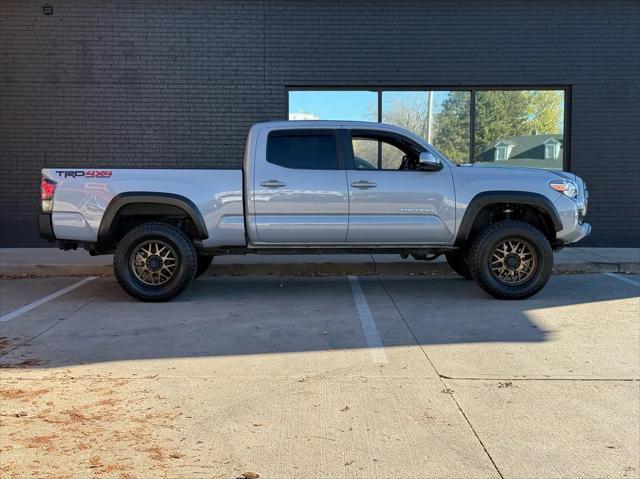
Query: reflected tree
[(499, 114)]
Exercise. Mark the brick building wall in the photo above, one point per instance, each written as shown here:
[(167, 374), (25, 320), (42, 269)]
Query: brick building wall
[(177, 83)]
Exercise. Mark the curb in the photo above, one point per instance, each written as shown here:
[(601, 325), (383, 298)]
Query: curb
[(306, 269)]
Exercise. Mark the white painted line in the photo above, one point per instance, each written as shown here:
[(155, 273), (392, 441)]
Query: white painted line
[(622, 278), (368, 324), (35, 304)]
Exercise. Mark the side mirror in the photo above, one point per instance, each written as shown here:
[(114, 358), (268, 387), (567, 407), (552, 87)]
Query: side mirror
[(429, 162)]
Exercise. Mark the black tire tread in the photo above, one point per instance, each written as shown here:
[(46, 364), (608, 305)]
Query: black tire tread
[(185, 249), (510, 227)]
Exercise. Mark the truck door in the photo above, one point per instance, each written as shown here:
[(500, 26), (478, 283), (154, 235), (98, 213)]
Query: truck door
[(300, 191), (391, 201)]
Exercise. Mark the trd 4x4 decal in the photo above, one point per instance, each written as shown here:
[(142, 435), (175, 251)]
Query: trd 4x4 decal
[(85, 174)]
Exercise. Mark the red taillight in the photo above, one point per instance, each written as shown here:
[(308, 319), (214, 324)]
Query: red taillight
[(47, 189)]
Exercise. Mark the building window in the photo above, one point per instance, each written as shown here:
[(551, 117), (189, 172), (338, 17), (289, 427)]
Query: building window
[(551, 149), (440, 117), (515, 127), (549, 152), (526, 121), (352, 105), (501, 153)]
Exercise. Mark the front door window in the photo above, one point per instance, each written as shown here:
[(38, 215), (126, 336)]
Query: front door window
[(373, 151)]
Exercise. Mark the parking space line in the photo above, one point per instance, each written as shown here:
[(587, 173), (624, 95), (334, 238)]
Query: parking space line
[(35, 304), (368, 324), (622, 278)]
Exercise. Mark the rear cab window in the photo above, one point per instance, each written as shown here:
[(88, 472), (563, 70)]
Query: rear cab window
[(303, 149)]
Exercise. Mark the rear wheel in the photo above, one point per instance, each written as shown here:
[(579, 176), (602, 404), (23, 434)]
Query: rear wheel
[(204, 261), (511, 260), (155, 262), (458, 261)]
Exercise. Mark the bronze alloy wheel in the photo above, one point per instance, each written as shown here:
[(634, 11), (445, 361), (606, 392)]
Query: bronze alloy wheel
[(513, 261), (154, 262)]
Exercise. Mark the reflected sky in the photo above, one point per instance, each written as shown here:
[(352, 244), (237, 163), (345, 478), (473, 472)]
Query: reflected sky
[(412, 98), (353, 105), (333, 105)]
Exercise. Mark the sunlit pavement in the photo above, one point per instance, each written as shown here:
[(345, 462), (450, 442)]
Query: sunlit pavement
[(372, 377)]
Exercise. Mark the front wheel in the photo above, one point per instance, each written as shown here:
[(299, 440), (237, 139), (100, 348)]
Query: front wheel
[(511, 260), (155, 262)]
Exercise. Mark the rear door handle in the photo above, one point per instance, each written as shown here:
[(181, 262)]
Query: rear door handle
[(363, 185), (272, 184)]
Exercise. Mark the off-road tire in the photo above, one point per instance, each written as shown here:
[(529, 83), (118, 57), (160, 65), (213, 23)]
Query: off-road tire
[(204, 261), (481, 253), (186, 262), (458, 261)]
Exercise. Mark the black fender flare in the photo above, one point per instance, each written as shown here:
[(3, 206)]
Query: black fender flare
[(481, 200), (143, 197)]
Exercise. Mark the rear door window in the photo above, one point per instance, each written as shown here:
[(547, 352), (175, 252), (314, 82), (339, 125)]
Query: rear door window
[(308, 150)]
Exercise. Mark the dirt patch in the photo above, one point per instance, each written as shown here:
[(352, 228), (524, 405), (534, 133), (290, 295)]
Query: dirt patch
[(249, 475), (22, 393), (41, 442), (96, 427)]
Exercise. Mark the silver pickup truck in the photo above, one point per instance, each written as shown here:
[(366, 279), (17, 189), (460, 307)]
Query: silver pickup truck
[(319, 186)]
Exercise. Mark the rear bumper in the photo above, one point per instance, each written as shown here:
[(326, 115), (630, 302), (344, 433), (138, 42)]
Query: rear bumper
[(45, 227)]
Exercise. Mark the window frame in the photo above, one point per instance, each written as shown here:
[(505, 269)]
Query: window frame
[(308, 132), (471, 88)]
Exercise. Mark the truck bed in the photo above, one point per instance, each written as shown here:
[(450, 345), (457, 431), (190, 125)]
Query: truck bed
[(83, 197)]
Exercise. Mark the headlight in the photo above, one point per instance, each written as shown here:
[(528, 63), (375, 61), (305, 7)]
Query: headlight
[(566, 187)]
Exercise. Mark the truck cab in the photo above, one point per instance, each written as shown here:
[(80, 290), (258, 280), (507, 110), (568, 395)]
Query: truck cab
[(345, 184)]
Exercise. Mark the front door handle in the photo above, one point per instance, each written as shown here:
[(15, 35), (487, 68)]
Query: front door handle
[(272, 184), (363, 185)]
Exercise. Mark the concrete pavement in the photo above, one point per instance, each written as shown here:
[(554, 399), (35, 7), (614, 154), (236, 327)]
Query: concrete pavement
[(276, 376), (54, 262)]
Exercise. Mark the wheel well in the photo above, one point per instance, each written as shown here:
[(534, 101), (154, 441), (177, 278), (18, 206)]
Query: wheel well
[(496, 212), (134, 214)]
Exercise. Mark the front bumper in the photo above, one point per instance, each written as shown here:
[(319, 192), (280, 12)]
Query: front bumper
[(572, 214), (582, 232), (45, 227)]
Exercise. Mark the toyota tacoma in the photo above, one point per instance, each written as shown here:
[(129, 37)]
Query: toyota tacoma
[(318, 187)]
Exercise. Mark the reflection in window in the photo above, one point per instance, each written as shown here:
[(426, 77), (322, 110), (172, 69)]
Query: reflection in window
[(501, 152), (440, 117), (365, 153), (366, 150), (333, 105), (552, 149), (511, 127), (520, 128)]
